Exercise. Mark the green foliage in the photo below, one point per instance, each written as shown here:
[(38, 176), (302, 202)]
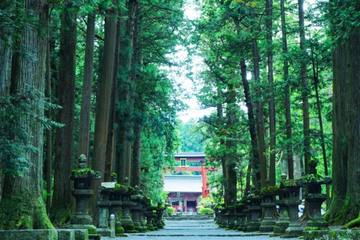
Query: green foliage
[(206, 211), (170, 211), (84, 172), (14, 139), (269, 190), (191, 139)]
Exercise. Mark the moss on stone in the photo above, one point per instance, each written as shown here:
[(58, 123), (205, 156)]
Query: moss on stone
[(119, 230), (91, 229)]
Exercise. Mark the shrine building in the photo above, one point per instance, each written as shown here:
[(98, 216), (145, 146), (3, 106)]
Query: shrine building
[(187, 183)]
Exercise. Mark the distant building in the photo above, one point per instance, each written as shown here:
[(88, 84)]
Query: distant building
[(188, 182)]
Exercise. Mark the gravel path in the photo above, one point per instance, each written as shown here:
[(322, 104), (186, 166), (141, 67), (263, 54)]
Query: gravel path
[(197, 229)]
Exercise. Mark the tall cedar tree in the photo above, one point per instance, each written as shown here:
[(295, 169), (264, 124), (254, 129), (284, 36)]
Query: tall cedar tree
[(287, 101), (22, 205), (305, 89), (103, 98), (272, 116), (346, 146), (84, 131), (65, 94)]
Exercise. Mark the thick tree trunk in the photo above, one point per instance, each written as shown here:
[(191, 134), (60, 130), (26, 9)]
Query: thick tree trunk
[(22, 194), (111, 146), (260, 126), (65, 93), (104, 95), (305, 89), (254, 163), (272, 116), (287, 102), (84, 132), (123, 156), (346, 130)]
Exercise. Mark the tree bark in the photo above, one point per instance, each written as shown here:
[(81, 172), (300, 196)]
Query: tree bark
[(136, 155), (48, 168), (104, 94), (346, 128), (5, 65), (22, 194), (287, 101), (230, 155), (84, 132), (272, 113), (254, 163), (260, 126), (124, 115), (321, 126), (65, 93), (305, 89)]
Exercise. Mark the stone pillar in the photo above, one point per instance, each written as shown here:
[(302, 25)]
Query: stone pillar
[(294, 229)]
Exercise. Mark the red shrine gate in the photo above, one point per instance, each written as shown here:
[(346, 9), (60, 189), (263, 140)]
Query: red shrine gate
[(188, 183)]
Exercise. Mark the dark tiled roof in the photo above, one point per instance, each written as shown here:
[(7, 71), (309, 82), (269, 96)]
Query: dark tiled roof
[(190, 154)]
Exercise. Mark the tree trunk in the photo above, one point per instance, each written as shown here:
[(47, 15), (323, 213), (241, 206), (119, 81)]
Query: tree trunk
[(65, 93), (254, 163), (230, 155), (110, 147), (5, 65), (305, 89), (346, 128), (220, 113), (287, 102), (136, 155), (318, 107), (22, 193), (104, 94), (272, 116), (48, 168), (260, 126), (84, 132), (124, 115)]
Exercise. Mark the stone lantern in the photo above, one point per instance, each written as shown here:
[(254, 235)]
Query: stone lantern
[(83, 178)]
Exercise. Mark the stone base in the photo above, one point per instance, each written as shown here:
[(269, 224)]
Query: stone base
[(94, 237), (105, 232), (293, 230), (82, 219), (252, 227), (81, 231), (35, 234), (280, 227), (267, 225), (66, 234), (316, 224)]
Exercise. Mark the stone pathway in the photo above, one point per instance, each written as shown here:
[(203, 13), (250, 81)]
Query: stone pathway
[(196, 229)]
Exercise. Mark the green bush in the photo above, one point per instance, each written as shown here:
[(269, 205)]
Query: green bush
[(206, 211), (170, 211)]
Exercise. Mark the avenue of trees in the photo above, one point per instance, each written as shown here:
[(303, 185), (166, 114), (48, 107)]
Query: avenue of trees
[(83, 77), (283, 77)]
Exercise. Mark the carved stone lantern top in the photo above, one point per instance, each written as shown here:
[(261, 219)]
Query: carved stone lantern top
[(82, 161)]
